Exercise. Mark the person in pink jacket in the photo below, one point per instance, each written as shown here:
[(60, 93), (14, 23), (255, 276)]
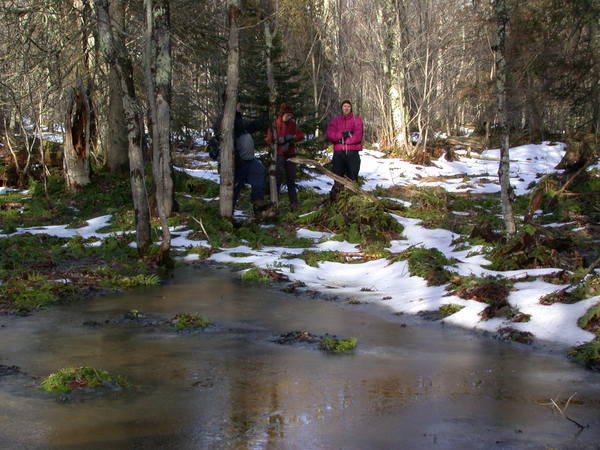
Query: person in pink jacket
[(346, 134)]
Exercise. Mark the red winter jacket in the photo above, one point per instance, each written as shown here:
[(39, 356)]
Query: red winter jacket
[(284, 129), (351, 123)]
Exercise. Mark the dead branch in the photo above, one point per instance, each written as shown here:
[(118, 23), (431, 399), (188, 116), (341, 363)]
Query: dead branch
[(563, 411), (469, 144), (571, 179), (202, 226), (348, 183)]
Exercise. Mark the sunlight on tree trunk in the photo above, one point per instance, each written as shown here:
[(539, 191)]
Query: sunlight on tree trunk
[(77, 140), (227, 162), (115, 54), (158, 80), (504, 166)]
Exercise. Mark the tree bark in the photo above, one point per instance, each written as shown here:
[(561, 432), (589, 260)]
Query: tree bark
[(274, 195), (501, 85), (233, 76), (77, 139), (117, 158), (158, 70), (116, 55)]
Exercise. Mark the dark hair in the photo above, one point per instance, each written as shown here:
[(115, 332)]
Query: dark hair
[(284, 108), (346, 101)]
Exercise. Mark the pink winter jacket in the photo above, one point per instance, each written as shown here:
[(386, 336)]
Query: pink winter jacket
[(351, 123)]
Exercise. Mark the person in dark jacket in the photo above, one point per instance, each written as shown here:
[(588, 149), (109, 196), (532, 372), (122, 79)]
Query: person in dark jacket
[(288, 134), (248, 169), (346, 134)]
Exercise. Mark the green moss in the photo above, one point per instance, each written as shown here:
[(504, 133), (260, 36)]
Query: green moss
[(188, 321), (185, 183), (70, 378), (256, 275), (428, 263), (137, 280), (337, 345), (356, 219), (240, 254), (448, 310), (591, 319), (587, 354), (313, 258), (523, 337)]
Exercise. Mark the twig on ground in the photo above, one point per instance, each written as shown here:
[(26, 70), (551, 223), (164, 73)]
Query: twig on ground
[(563, 411), (202, 226)]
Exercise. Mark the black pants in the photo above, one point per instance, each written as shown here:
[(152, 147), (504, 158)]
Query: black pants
[(346, 163), (286, 169)]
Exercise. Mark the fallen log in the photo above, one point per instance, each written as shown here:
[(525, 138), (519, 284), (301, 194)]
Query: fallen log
[(347, 182)]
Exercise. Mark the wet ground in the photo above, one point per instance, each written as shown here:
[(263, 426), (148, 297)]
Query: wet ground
[(410, 383)]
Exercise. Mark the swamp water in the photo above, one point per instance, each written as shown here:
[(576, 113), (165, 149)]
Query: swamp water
[(409, 383)]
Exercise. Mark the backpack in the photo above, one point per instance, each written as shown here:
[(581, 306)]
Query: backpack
[(213, 146), (244, 146)]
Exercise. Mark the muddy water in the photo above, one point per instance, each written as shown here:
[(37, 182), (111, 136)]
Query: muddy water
[(409, 384)]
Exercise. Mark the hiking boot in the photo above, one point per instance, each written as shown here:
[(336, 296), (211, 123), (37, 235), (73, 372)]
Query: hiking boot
[(263, 209), (261, 204)]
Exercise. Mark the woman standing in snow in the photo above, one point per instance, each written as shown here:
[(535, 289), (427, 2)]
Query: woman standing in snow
[(288, 134), (346, 134)]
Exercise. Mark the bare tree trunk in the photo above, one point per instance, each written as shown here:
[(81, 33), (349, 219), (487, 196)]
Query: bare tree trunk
[(115, 55), (117, 145), (504, 166), (77, 139), (158, 72), (233, 77), (274, 195)]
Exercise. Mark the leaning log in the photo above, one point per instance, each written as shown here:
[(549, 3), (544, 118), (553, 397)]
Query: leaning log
[(347, 182)]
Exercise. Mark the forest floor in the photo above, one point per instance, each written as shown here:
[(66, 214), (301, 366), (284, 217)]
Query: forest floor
[(431, 245)]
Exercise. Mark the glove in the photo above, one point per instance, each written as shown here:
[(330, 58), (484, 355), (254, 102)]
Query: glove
[(290, 138), (346, 134)]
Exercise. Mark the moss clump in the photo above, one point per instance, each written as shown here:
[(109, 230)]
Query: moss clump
[(589, 287), (587, 354), (313, 258), (189, 321), (138, 280), (70, 378), (591, 320), (531, 249), (256, 275), (195, 186), (337, 345), (448, 310), (428, 263), (356, 219), (491, 290), (523, 337)]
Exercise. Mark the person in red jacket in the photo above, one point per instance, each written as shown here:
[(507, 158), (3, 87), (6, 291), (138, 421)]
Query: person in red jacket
[(346, 134), (288, 134)]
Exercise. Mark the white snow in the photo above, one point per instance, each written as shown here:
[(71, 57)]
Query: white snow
[(390, 284)]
